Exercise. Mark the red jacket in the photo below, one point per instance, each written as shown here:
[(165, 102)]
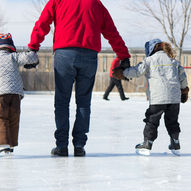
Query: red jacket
[(78, 23), (114, 64)]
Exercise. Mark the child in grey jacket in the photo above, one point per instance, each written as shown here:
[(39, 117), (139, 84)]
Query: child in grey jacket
[(11, 90), (167, 85)]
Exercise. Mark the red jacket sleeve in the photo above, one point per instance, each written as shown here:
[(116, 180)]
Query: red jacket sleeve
[(42, 26), (110, 33)]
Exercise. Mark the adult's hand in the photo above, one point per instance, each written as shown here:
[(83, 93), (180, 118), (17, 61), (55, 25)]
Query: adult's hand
[(30, 49), (125, 63)]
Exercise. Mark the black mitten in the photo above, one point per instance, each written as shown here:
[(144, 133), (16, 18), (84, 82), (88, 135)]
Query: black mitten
[(29, 66), (30, 49), (184, 94)]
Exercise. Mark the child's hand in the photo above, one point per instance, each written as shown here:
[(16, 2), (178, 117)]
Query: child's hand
[(118, 73), (184, 94)]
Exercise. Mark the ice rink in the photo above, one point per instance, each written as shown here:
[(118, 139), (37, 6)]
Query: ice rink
[(111, 163)]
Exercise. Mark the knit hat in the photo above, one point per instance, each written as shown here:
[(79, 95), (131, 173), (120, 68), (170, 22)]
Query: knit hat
[(150, 45), (7, 42)]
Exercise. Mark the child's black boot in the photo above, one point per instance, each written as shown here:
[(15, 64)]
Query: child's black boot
[(174, 144), (144, 148)]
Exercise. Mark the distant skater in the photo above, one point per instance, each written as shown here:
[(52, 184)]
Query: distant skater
[(167, 85), (11, 90), (114, 82)]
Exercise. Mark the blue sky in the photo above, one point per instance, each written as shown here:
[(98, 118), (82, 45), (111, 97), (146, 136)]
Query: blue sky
[(19, 23), (19, 15)]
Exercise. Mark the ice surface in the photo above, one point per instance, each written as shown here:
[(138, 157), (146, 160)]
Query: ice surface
[(111, 163)]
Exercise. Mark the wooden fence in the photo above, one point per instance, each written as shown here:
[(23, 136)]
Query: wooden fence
[(44, 81), (42, 78)]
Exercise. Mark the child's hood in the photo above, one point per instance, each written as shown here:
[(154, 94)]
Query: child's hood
[(150, 45), (6, 41)]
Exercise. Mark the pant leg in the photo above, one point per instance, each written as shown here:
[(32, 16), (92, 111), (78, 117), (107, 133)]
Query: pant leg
[(86, 66), (65, 74), (120, 88), (152, 120), (109, 88), (171, 119), (14, 118), (4, 120)]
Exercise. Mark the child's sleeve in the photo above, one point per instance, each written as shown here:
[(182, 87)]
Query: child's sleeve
[(136, 71), (26, 58), (182, 77)]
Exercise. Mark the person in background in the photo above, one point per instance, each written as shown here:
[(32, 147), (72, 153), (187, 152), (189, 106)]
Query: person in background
[(114, 82), (167, 85), (11, 90), (78, 26)]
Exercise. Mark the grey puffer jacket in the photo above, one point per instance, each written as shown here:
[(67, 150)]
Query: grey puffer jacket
[(10, 78), (165, 78)]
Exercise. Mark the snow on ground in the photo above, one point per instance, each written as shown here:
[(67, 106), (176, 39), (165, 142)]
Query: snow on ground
[(111, 163)]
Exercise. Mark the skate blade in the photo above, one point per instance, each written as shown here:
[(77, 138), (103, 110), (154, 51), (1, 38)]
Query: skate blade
[(175, 152), (144, 152)]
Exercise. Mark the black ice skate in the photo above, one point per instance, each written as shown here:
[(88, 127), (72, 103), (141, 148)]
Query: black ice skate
[(144, 148), (6, 149), (59, 152), (174, 146), (79, 152), (125, 98), (3, 150), (105, 98)]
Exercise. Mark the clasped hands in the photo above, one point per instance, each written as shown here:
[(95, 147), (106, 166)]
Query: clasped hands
[(33, 65), (118, 71)]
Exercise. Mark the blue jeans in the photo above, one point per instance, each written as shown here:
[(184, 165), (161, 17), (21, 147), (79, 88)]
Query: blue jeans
[(71, 65)]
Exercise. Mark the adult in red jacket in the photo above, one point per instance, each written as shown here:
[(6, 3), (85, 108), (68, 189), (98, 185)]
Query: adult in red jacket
[(77, 40), (114, 82)]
